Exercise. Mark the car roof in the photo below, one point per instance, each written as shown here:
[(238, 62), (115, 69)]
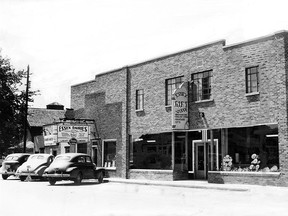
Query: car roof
[(18, 154), (45, 155), (73, 154)]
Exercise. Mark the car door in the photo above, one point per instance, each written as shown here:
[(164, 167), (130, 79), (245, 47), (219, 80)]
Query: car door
[(80, 164), (89, 167)]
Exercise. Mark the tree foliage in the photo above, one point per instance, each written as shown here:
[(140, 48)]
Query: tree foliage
[(12, 104)]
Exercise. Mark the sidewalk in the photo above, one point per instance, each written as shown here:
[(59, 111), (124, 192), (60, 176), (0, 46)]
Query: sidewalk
[(187, 184)]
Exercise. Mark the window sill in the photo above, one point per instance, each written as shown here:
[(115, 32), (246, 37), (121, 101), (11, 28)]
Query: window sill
[(110, 168), (252, 94), (204, 101), (139, 110)]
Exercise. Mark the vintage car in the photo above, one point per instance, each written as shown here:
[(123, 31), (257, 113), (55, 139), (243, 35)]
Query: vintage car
[(73, 166), (11, 164), (34, 166)]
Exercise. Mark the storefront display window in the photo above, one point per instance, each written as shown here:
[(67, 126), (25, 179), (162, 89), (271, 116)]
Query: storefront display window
[(109, 154), (152, 151), (259, 140), (180, 152)]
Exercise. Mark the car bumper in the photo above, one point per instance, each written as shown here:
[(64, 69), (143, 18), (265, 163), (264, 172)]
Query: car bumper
[(27, 174), (57, 175), (7, 173)]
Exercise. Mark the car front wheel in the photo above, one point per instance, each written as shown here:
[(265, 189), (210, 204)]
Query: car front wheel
[(4, 176), (52, 181), (78, 178)]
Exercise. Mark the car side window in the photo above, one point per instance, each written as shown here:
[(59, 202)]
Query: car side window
[(88, 160), (81, 160)]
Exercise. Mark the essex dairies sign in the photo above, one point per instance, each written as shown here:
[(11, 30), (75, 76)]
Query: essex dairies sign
[(180, 107), (54, 134), (79, 132)]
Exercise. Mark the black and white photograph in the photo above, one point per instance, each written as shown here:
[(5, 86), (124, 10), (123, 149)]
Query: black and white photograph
[(143, 107)]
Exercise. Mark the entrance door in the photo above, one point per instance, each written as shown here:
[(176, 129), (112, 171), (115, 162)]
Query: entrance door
[(200, 160), (95, 155), (203, 160)]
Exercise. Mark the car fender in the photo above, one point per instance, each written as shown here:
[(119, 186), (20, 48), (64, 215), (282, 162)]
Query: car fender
[(98, 171), (73, 171), (40, 170)]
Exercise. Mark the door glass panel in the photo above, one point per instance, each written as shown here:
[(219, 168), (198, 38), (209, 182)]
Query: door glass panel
[(213, 156), (200, 162)]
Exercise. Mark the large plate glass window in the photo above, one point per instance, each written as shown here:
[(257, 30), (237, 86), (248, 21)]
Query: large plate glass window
[(252, 79), (152, 151), (171, 85), (201, 85), (109, 154)]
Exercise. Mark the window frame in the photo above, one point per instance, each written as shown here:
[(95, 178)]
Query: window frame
[(169, 91), (200, 95), (103, 152), (139, 100), (249, 84)]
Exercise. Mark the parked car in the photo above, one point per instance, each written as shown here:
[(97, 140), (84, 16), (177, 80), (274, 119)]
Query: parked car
[(11, 164), (34, 166), (73, 166)]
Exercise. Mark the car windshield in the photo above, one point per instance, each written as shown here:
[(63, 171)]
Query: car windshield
[(36, 157), (11, 158), (62, 157)]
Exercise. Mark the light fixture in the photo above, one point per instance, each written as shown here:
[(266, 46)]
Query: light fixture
[(272, 135), (151, 141)]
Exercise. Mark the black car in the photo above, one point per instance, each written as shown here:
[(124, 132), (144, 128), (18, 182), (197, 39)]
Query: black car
[(11, 164), (73, 166)]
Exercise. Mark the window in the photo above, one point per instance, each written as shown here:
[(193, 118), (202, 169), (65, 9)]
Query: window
[(201, 85), (140, 99), (109, 153), (171, 85), (88, 160), (82, 148), (252, 79), (152, 151)]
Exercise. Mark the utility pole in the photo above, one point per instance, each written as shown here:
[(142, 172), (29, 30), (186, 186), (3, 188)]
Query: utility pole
[(26, 111)]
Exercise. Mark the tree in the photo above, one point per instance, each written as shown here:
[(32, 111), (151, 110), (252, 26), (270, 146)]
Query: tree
[(12, 104)]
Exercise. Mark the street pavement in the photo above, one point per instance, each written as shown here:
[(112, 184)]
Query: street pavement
[(126, 197)]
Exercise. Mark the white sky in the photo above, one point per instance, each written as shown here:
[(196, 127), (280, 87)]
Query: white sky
[(67, 42)]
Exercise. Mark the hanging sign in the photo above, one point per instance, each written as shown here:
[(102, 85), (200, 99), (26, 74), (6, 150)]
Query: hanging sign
[(180, 107)]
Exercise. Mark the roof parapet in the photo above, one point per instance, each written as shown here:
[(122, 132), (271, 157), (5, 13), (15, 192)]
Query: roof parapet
[(255, 40)]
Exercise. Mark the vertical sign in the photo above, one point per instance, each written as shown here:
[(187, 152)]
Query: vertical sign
[(50, 135), (180, 107)]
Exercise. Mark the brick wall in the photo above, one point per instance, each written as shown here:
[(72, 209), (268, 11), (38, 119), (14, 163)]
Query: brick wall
[(230, 107), (151, 77), (104, 99)]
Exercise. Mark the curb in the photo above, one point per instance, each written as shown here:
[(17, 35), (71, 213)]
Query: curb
[(173, 184)]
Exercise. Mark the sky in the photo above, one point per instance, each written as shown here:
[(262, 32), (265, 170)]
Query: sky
[(67, 42)]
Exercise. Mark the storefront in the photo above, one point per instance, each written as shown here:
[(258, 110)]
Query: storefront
[(180, 116), (71, 136)]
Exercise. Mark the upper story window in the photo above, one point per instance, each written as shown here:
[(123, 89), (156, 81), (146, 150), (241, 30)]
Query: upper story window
[(140, 99), (171, 85), (201, 85), (252, 79)]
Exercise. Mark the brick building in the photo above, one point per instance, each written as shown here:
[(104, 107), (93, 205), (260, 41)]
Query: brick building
[(236, 105)]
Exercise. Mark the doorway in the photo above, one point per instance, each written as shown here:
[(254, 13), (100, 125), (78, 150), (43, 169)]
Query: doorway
[(94, 155), (204, 158), (200, 160)]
